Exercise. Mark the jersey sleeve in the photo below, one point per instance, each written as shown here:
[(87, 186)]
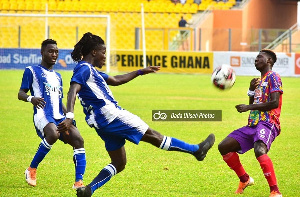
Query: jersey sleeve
[(27, 79), (81, 75), (104, 75), (275, 83)]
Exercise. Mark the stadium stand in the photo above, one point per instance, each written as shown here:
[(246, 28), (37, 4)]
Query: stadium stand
[(125, 17)]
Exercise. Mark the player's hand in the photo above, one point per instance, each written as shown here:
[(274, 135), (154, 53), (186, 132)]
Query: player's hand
[(150, 69), (64, 126), (38, 102), (254, 83), (241, 108)]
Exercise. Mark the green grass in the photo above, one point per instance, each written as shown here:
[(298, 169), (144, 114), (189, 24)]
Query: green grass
[(149, 171)]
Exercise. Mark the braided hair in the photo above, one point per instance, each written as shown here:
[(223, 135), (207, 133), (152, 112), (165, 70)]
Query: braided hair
[(86, 44)]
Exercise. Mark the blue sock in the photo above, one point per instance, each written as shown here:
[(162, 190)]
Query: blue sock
[(173, 144), (80, 163), (40, 154), (105, 175)]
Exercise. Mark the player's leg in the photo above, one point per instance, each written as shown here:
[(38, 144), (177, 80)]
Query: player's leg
[(49, 137), (173, 144), (76, 141), (229, 148), (264, 138), (118, 162)]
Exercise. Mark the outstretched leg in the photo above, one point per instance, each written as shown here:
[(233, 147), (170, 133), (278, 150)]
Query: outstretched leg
[(172, 144)]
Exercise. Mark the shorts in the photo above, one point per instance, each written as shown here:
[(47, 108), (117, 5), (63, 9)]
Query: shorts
[(247, 136), (42, 122), (126, 126)]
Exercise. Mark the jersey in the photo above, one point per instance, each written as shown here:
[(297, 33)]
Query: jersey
[(98, 103), (270, 82), (46, 84)]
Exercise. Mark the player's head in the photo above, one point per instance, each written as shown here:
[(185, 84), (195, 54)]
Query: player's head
[(272, 58), (90, 47), (49, 52), (265, 60)]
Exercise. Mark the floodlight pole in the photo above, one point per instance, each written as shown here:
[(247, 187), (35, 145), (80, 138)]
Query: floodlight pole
[(143, 35), (46, 21)]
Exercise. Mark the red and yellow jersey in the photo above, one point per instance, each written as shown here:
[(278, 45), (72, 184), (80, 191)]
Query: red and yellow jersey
[(269, 83)]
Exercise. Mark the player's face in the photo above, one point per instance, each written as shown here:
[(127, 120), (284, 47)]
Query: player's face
[(50, 54), (261, 61), (100, 56)]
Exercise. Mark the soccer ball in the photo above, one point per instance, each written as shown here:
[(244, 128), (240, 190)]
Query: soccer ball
[(223, 77)]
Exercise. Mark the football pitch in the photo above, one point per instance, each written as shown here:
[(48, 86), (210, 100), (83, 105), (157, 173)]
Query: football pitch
[(150, 171)]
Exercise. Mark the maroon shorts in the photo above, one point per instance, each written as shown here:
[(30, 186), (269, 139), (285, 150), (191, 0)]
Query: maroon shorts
[(246, 136)]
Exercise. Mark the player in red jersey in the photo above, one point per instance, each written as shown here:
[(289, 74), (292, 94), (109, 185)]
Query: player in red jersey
[(265, 100)]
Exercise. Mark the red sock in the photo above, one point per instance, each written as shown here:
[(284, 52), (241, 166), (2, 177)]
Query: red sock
[(268, 170), (233, 161)]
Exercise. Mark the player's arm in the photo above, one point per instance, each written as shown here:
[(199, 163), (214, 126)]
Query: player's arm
[(36, 101), (64, 108), (65, 125), (253, 84), (121, 79), (272, 104)]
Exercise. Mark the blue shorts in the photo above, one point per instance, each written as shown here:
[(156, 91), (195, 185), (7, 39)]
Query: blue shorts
[(126, 126), (247, 136)]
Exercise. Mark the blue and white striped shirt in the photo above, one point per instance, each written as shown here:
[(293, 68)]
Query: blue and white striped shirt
[(97, 100), (46, 84)]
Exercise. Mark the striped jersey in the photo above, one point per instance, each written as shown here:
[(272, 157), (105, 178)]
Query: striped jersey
[(97, 100), (270, 82), (46, 84)]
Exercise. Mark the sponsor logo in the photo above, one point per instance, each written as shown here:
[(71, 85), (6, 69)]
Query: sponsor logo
[(235, 61), (297, 63)]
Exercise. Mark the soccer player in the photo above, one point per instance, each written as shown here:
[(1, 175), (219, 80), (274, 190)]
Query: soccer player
[(46, 96), (265, 99), (111, 122)]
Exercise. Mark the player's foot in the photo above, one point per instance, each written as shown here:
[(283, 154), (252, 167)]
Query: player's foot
[(30, 176), (204, 146), (78, 184), (242, 185), (84, 191), (275, 194)]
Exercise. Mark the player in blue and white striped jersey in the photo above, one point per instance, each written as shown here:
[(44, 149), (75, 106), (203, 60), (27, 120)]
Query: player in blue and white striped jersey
[(46, 88), (112, 123)]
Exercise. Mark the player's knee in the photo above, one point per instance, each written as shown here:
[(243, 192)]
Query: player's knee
[(222, 148), (260, 149), (78, 142), (51, 137), (120, 165), (153, 137)]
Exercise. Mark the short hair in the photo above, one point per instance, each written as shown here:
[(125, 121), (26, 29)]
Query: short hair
[(46, 42), (271, 54), (86, 44)]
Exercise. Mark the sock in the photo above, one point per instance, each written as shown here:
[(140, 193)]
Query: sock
[(233, 161), (268, 170), (173, 144), (40, 154), (80, 163), (104, 176)]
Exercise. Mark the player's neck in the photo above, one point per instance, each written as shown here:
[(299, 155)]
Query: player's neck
[(264, 72), (47, 66)]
